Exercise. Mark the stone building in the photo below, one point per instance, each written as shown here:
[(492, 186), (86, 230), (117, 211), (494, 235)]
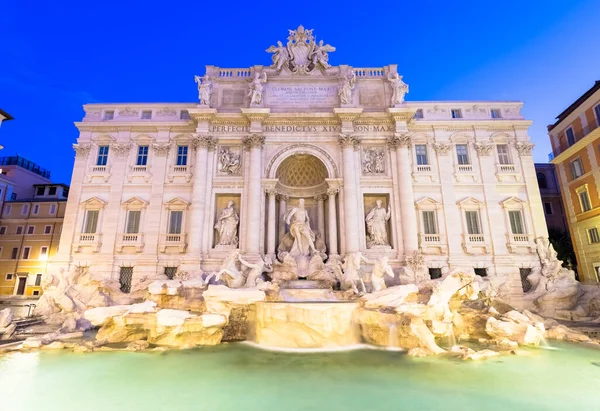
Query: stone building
[(551, 198), (575, 138), (29, 236), (164, 187)]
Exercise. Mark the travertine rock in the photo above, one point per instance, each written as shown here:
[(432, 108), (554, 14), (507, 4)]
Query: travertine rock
[(138, 345), (561, 332), (7, 332), (6, 317), (390, 297), (522, 333), (56, 345), (98, 316), (31, 342)]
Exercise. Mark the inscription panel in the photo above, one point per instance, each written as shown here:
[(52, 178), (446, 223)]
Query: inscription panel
[(302, 96)]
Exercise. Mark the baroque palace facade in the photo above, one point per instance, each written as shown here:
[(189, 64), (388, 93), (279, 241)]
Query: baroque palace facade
[(164, 187)]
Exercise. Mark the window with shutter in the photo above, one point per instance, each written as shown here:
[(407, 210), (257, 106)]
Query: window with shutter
[(462, 154), (91, 221), (503, 157), (472, 218), (133, 221), (175, 221), (516, 222), (429, 226), (421, 153)]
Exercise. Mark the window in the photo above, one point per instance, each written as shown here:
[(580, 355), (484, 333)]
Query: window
[(15, 253), (184, 115), (24, 209), (9, 277), (133, 222), (576, 169), (30, 229), (542, 180), (429, 226), (503, 157), (593, 235), (175, 220), (472, 218), (570, 136), (146, 114), (7, 209), (462, 154), (102, 156), (2, 230), (36, 292), (170, 272), (548, 208), (419, 113), (435, 273), (38, 280), (48, 229), (482, 272), (52, 208), (91, 221), (13, 196), (26, 252), (584, 199), (19, 230), (52, 191), (40, 191), (43, 252), (516, 222), (125, 277), (525, 284), (142, 157), (36, 209), (456, 113), (597, 111), (496, 113), (109, 114), (421, 152), (182, 153)]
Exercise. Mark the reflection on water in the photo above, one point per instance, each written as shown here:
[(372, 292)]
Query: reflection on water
[(240, 377)]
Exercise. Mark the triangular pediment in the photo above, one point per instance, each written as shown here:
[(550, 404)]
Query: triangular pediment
[(512, 202), (469, 201), (94, 202), (135, 202), (427, 201), (177, 201)]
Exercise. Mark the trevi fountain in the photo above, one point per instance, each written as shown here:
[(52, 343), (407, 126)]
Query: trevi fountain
[(317, 310)]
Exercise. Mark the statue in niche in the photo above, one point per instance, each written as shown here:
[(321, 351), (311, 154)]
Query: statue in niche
[(256, 89), (399, 88), (227, 225), (304, 238), (265, 265), (376, 225), (373, 162), (380, 270), (229, 162), (205, 89), (345, 88), (320, 56), (280, 56)]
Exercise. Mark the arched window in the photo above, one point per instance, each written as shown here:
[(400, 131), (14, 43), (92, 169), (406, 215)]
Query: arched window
[(542, 182)]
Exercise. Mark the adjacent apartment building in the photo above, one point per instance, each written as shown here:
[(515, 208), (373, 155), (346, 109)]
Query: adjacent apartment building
[(575, 138), (551, 198)]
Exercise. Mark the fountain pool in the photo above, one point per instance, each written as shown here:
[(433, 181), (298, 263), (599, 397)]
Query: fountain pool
[(240, 377)]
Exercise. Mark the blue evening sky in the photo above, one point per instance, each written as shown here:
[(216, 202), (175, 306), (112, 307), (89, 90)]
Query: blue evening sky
[(58, 55)]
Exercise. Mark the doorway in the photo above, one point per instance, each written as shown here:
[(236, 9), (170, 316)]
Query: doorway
[(21, 284)]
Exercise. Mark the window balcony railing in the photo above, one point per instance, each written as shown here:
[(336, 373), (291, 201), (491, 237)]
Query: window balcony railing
[(88, 240), (591, 126), (521, 242), (423, 168), (173, 240), (432, 244), (99, 169), (138, 169), (475, 238), (131, 240), (87, 237), (506, 168), (464, 168), (180, 169), (476, 243), (519, 238), (430, 238)]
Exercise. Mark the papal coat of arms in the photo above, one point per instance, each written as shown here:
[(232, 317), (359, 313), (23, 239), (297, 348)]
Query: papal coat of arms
[(302, 54)]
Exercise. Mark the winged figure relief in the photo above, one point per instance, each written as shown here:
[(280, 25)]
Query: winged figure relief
[(280, 56), (320, 56)]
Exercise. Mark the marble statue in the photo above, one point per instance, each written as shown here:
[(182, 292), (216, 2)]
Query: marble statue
[(380, 270), (352, 271), (227, 225), (399, 88), (229, 162), (280, 56), (319, 55), (376, 225), (304, 238), (264, 265), (233, 277), (345, 88), (256, 89), (205, 88)]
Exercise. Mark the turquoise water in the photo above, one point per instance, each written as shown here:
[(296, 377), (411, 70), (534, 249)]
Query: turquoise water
[(239, 377)]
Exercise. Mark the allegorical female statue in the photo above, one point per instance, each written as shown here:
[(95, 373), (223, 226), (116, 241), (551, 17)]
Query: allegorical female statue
[(256, 89), (227, 226), (376, 225), (345, 88), (399, 88), (205, 89)]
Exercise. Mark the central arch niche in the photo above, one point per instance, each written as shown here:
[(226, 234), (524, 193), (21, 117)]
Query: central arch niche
[(301, 170)]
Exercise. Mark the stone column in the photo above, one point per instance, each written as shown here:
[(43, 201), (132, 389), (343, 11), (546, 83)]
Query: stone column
[(408, 215), (282, 209), (201, 143), (350, 143), (332, 231), (321, 214), (254, 144), (271, 223)]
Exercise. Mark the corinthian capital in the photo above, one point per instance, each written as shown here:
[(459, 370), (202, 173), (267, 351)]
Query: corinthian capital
[(203, 141), (399, 140), (524, 149), (254, 140), (349, 140), (120, 150), (82, 149), (332, 191)]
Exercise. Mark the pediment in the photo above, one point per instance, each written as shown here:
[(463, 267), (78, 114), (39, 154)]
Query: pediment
[(177, 202), (94, 202), (135, 202), (427, 202), (512, 202), (469, 202)]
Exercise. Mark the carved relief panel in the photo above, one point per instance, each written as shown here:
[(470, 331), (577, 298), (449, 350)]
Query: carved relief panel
[(229, 160), (373, 160)]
